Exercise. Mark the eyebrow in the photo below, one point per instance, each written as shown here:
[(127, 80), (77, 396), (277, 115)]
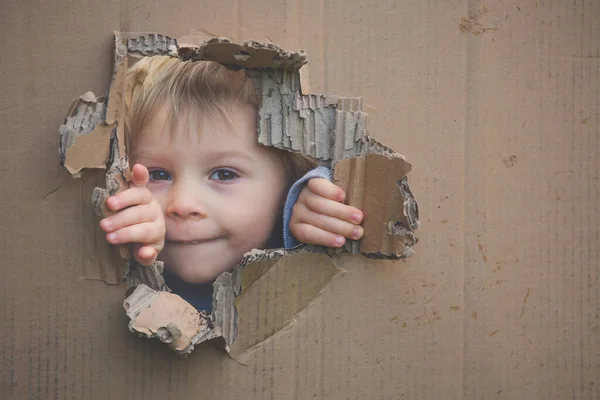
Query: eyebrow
[(151, 154), (230, 154), (213, 157)]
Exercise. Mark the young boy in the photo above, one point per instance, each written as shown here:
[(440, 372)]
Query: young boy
[(204, 191)]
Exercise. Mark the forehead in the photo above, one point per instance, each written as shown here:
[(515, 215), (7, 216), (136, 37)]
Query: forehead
[(230, 123), (201, 138)]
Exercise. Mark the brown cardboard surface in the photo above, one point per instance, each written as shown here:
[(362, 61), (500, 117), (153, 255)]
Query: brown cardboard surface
[(501, 298)]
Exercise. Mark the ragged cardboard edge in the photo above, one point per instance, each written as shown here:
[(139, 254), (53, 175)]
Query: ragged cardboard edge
[(328, 128), (115, 109), (248, 55), (148, 44), (390, 217), (283, 291), (84, 135), (167, 317), (242, 353), (155, 314)]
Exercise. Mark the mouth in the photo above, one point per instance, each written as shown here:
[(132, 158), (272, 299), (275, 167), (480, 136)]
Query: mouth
[(192, 242)]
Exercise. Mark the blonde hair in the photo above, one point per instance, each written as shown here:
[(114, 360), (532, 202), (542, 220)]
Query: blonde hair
[(199, 85)]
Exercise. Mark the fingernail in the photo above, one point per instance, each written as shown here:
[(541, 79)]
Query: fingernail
[(111, 237), (356, 217), (106, 224), (113, 203), (339, 240), (357, 233)]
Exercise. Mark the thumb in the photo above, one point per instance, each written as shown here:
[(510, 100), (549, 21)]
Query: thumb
[(139, 175)]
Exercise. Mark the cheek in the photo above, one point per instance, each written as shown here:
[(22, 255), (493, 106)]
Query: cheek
[(270, 195), (254, 214), (160, 196)]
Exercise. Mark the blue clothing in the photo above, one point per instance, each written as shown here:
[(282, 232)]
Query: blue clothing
[(289, 241), (200, 295), (197, 294)]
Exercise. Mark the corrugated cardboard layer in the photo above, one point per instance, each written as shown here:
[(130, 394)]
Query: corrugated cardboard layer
[(85, 132), (521, 171), (150, 44), (391, 214), (165, 316), (316, 125)]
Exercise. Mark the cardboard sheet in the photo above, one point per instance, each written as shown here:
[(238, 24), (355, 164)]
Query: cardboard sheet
[(330, 129), (500, 121)]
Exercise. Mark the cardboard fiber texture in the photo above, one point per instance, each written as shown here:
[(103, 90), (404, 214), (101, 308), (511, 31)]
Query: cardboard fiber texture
[(330, 129), (499, 301)]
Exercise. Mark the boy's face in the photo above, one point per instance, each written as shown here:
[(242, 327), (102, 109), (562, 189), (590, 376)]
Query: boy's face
[(220, 190)]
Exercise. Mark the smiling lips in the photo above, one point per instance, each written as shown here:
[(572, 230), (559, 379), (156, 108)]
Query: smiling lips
[(192, 242)]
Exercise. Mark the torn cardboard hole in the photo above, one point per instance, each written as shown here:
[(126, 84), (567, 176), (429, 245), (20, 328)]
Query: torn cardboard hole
[(328, 128)]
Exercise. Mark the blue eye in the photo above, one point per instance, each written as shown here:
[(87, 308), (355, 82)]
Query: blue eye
[(159, 175), (223, 175)]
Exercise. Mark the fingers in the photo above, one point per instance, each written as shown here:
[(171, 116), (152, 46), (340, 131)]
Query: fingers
[(320, 217), (310, 234), (139, 175), (324, 188), (130, 197), (129, 216), (139, 219), (338, 229), (320, 204), (146, 232), (145, 255)]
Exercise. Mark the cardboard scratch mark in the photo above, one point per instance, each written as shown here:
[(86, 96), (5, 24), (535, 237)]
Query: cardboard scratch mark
[(509, 161), (56, 189), (494, 333), (525, 303), (569, 171), (471, 23), (482, 251), (498, 266)]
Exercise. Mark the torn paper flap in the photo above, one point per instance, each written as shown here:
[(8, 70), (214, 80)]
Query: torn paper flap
[(116, 181), (327, 128), (151, 276), (282, 291), (373, 184), (84, 136), (164, 316), (148, 43), (249, 55)]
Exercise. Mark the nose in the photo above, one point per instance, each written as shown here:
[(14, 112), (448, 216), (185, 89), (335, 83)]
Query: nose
[(185, 202)]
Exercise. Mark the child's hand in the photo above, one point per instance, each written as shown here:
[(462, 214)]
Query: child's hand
[(320, 216), (139, 219)]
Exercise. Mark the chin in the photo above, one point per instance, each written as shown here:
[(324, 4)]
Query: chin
[(194, 272)]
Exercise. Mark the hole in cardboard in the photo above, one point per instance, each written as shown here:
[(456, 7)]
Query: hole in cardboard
[(329, 129)]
